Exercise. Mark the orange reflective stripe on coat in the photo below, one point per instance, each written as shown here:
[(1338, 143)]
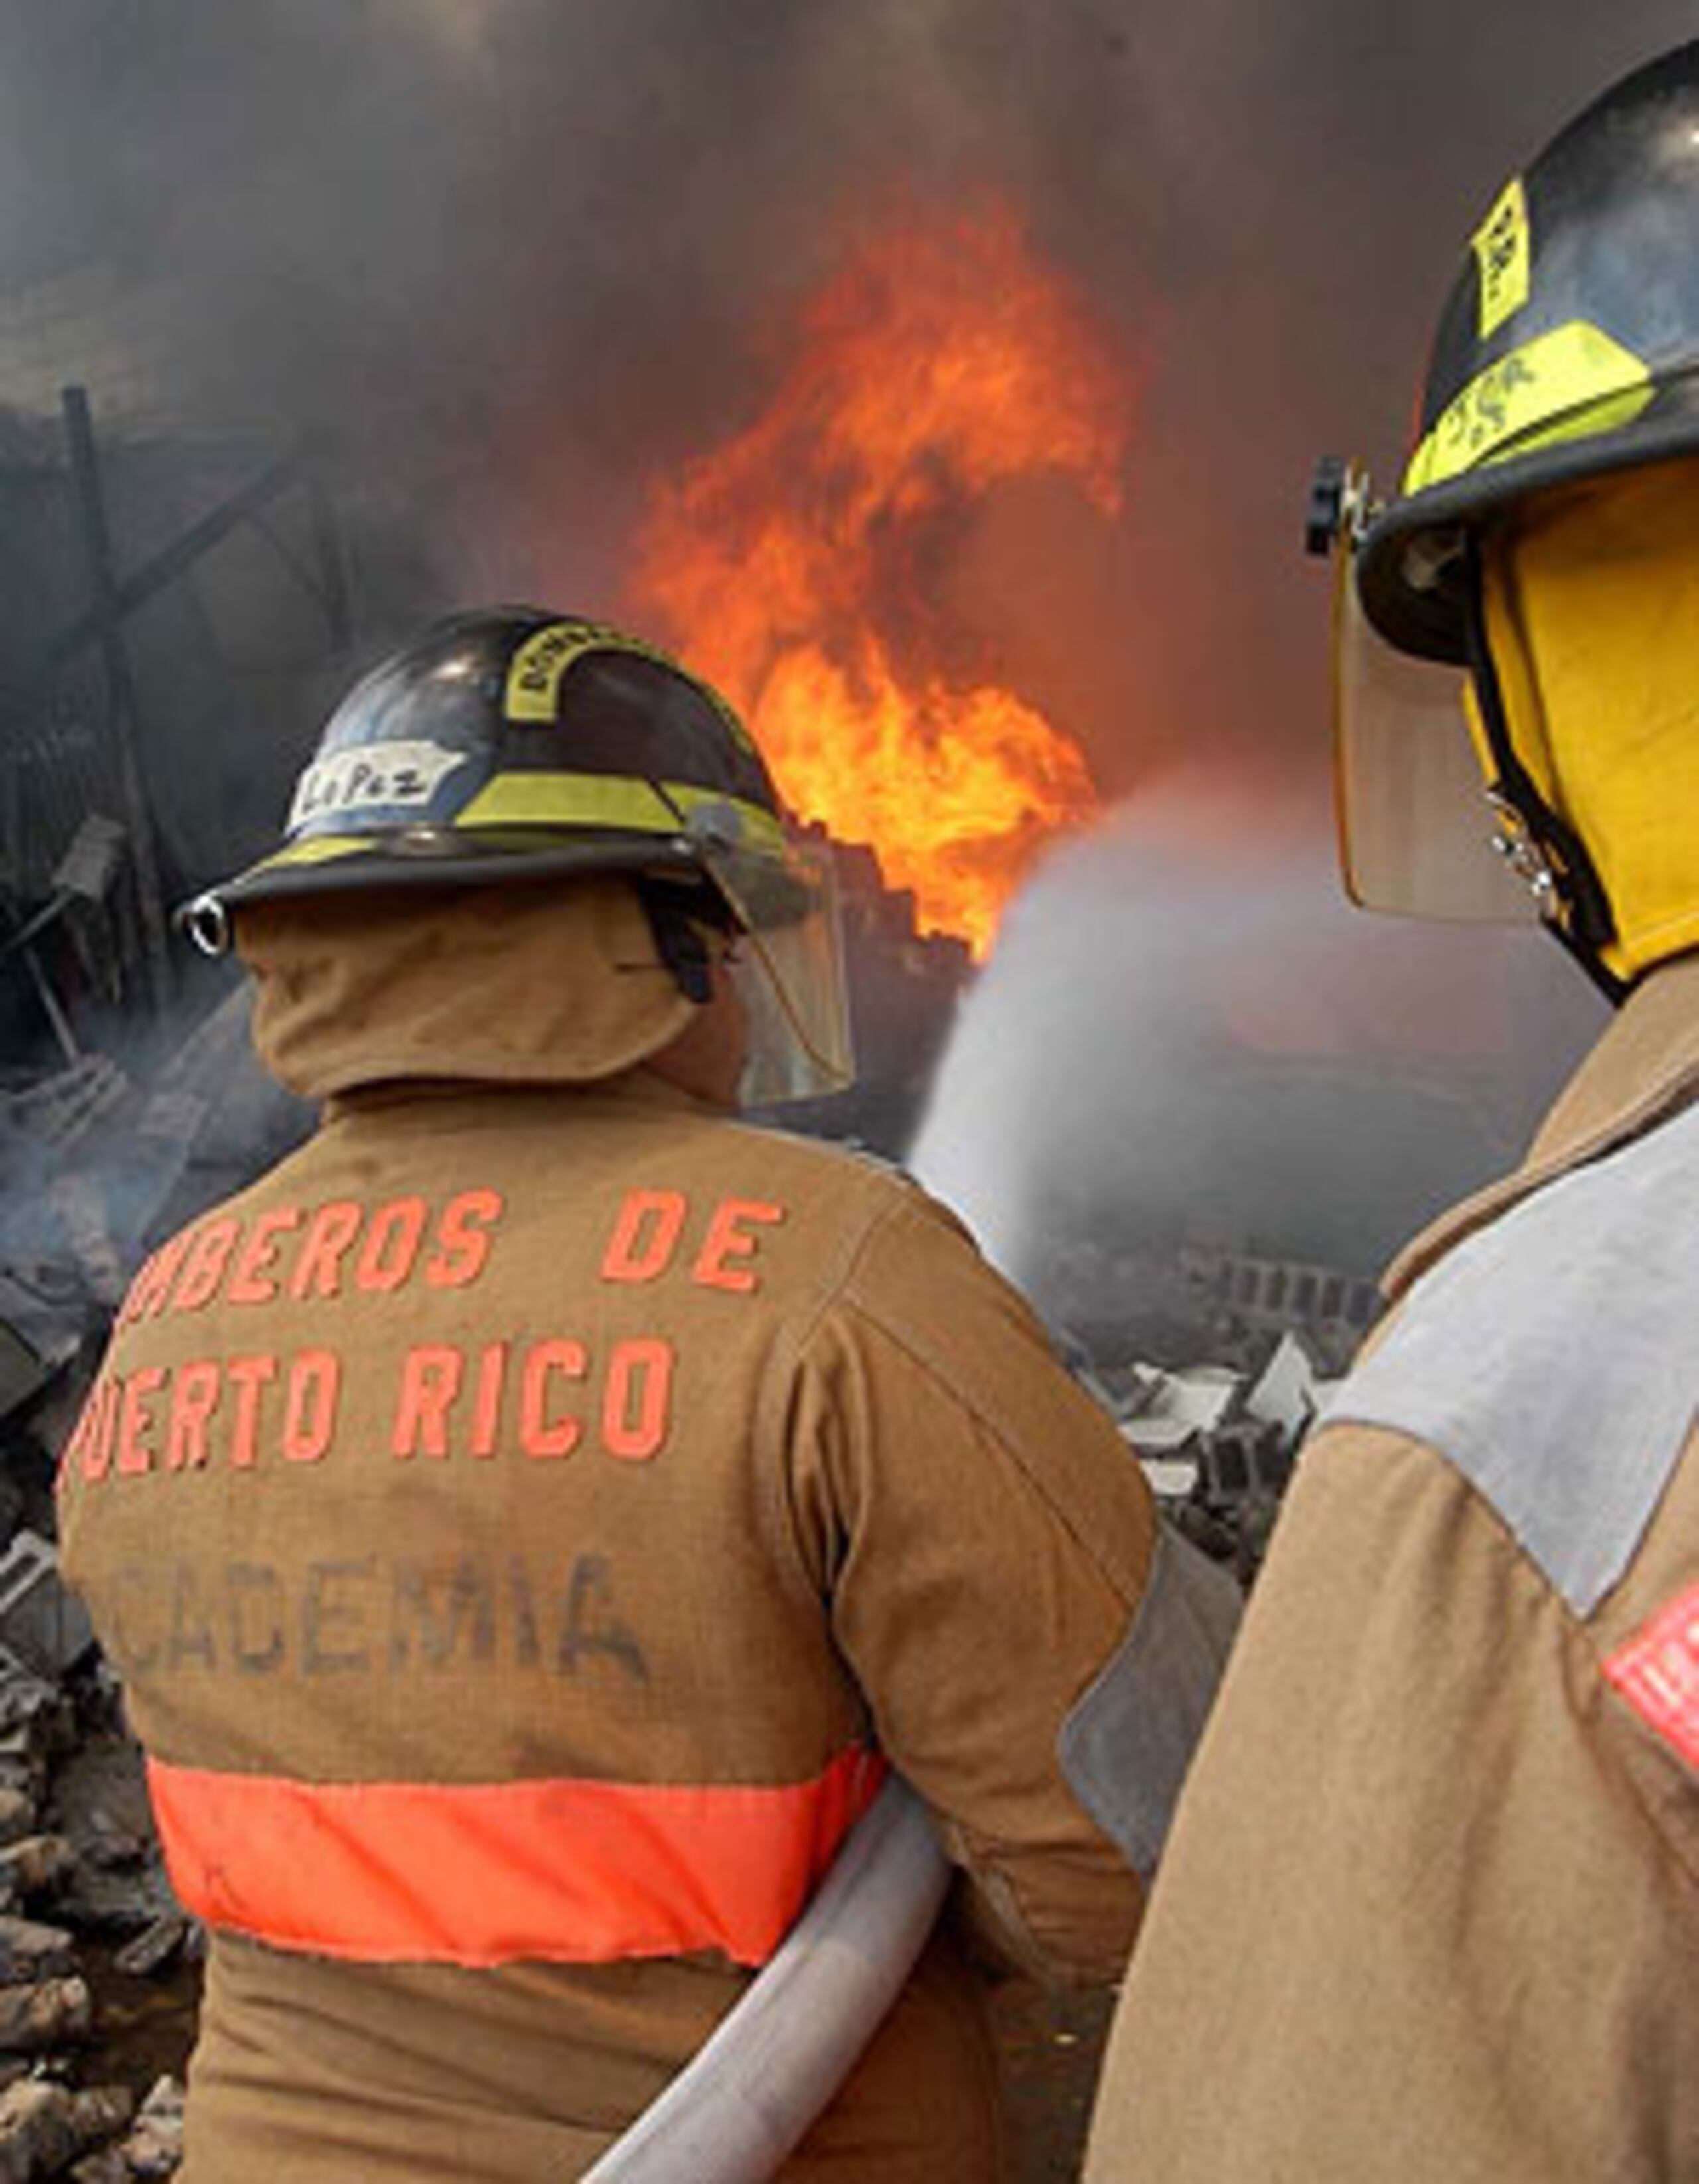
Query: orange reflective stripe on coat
[(573, 1872)]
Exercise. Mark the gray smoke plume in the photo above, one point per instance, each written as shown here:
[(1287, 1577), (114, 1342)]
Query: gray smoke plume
[(1185, 1035), (523, 258)]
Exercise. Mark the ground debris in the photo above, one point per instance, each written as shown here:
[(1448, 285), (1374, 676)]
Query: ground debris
[(155, 2147), (30, 1952), (156, 1945), (44, 2125), (48, 2012)]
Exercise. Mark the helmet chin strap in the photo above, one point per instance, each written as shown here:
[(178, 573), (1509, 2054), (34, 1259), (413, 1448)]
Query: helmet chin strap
[(681, 943), (1542, 848)]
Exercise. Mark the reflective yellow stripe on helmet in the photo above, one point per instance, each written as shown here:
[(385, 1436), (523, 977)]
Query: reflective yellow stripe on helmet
[(534, 673), (319, 849), (1572, 380), (601, 799)]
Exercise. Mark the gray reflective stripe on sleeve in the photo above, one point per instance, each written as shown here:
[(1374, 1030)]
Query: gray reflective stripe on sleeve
[(1551, 1359), (1126, 1742)]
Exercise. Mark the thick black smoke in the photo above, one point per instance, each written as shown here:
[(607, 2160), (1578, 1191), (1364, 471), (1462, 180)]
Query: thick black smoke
[(525, 255)]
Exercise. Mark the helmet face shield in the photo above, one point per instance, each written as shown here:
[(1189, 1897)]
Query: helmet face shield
[(1417, 832), (788, 970)]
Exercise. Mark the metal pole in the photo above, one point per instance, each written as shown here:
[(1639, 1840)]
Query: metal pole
[(173, 561), (121, 692)]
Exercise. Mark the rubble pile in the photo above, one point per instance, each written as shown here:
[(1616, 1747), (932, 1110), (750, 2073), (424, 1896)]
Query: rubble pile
[(1218, 1443), (85, 1910), (98, 1964)]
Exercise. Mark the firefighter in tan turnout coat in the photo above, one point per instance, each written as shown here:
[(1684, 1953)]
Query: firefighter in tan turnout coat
[(1430, 1911), (531, 1521)]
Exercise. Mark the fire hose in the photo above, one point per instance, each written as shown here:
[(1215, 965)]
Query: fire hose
[(749, 2095)]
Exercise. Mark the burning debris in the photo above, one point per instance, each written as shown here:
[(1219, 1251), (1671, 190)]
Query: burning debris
[(790, 566)]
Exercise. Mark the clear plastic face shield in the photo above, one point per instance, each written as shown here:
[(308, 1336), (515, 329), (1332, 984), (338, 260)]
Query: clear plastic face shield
[(1417, 833), (788, 966)]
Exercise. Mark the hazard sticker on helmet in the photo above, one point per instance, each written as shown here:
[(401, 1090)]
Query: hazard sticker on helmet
[(1500, 245), (372, 780), (534, 673)]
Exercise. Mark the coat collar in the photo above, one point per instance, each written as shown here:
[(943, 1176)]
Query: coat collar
[(1643, 1070)]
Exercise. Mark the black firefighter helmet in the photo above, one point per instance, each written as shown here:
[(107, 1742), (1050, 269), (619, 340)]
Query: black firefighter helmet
[(512, 744), (1568, 346)]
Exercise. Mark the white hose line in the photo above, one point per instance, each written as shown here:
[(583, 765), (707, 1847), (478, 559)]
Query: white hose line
[(747, 2098)]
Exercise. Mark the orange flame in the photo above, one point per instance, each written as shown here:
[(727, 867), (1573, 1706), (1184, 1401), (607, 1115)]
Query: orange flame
[(940, 362)]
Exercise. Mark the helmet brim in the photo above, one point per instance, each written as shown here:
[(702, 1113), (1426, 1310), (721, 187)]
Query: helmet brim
[(1427, 617), (458, 856)]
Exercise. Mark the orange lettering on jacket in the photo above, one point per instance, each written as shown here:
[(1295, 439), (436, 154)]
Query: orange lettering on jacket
[(430, 1381), (249, 1376), (89, 1450), (184, 1420), (153, 1285), (391, 1244), (538, 1434), (487, 1407), (209, 1253), (194, 1398), (462, 1239), (134, 1454), (650, 1225), (304, 1255), (250, 1278), (448, 1404), (309, 1408), (637, 1401), (722, 1263), (645, 1235), (329, 1239)]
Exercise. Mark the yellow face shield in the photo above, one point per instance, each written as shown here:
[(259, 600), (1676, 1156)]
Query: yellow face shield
[(1416, 835), (1592, 611), (789, 967), (1591, 599)]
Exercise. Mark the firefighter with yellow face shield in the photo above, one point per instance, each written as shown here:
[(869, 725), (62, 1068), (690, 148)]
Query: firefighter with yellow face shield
[(541, 1524), (1431, 1907)]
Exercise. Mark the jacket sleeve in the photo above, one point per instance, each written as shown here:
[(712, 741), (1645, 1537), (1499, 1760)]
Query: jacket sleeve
[(988, 1552), (1414, 1902)]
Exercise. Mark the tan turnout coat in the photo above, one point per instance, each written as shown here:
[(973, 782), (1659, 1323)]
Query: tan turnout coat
[(527, 1521), (1430, 1911)]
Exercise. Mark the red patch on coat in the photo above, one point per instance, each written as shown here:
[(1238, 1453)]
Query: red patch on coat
[(1657, 1673)]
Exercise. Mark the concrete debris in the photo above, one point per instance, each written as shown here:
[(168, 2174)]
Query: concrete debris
[(29, 1951), (1288, 1393), (45, 2125), (35, 1865), (154, 1947), (153, 2145), (49, 2012), (1218, 1442), (107, 2167), (41, 1624), (74, 1830), (37, 2131), (1164, 1412)]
